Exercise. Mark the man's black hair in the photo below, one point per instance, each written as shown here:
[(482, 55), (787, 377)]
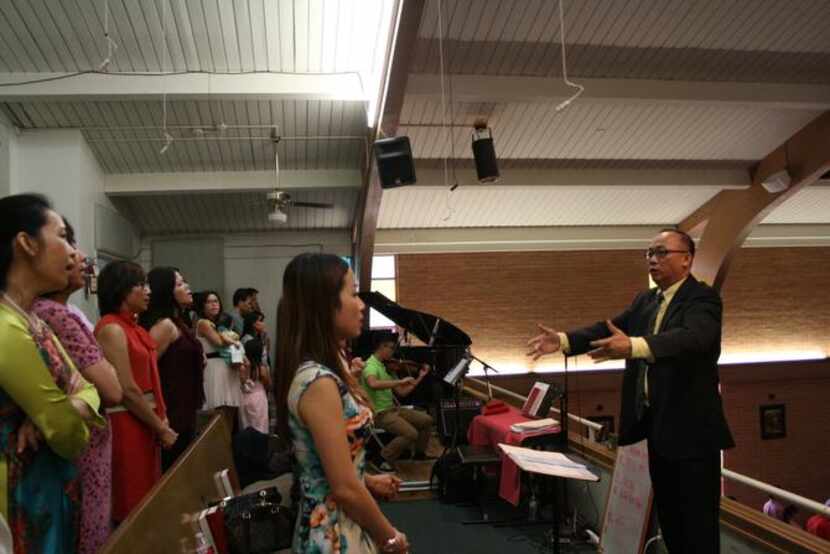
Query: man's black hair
[(687, 240), (240, 295)]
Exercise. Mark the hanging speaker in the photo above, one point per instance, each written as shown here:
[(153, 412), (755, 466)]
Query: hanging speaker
[(394, 158), (485, 154)]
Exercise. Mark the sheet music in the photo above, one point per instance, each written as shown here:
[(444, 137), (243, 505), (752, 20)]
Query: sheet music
[(547, 463)]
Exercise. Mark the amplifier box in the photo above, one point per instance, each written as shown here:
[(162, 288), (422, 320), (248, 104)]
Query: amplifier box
[(468, 408)]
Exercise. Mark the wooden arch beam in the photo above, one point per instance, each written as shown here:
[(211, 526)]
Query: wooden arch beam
[(728, 218), (366, 220)]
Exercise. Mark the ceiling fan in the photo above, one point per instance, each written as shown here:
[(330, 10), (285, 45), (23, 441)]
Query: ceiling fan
[(279, 200)]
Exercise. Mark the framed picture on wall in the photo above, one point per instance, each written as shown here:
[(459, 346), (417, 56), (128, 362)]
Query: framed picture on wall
[(773, 421)]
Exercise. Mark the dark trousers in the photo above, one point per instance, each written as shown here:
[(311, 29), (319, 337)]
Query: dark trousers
[(687, 497), (169, 456)]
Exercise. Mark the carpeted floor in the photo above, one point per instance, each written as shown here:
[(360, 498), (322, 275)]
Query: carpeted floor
[(436, 528)]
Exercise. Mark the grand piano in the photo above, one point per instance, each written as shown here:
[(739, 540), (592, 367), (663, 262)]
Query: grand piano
[(442, 347), (442, 344)]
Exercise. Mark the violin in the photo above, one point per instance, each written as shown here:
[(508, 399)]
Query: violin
[(407, 366)]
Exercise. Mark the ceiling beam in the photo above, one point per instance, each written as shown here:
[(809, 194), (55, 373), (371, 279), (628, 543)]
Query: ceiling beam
[(136, 184), (728, 218), (727, 178), (400, 59), (608, 237), (134, 86), (494, 89)]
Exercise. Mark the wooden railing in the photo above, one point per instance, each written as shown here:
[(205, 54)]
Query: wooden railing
[(156, 525)]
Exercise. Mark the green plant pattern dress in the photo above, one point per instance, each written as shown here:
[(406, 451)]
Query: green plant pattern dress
[(322, 528)]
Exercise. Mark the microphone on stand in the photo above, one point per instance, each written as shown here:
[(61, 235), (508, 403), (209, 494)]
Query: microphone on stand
[(492, 406)]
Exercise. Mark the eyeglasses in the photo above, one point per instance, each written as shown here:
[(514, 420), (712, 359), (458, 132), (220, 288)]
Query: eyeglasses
[(661, 252)]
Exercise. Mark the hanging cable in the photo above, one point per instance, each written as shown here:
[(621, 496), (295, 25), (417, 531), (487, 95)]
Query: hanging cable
[(580, 89), (447, 127), (103, 67), (75, 74), (168, 138)]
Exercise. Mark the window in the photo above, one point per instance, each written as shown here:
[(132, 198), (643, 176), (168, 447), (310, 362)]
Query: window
[(383, 281)]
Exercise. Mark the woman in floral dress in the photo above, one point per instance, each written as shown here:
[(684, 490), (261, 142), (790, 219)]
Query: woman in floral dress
[(74, 331), (321, 407)]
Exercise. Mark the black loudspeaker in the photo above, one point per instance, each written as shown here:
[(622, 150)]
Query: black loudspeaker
[(484, 153), (468, 409), (394, 158)]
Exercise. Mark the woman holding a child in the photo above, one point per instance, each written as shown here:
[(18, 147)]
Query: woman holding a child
[(221, 379)]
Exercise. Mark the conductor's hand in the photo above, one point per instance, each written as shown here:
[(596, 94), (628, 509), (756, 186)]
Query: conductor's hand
[(615, 347), (545, 343)]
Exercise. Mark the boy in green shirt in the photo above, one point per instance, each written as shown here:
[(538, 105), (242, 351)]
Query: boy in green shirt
[(410, 427)]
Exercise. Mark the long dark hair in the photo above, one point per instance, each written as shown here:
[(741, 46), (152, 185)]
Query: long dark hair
[(25, 213), (115, 282), (162, 282), (199, 300), (249, 322), (311, 288)]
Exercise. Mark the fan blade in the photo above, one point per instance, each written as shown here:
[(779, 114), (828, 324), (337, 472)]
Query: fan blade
[(296, 204)]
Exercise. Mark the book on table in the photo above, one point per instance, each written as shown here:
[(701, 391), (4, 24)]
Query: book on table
[(533, 425)]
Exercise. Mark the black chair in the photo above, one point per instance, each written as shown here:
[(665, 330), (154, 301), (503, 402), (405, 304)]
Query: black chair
[(477, 457), (377, 441)]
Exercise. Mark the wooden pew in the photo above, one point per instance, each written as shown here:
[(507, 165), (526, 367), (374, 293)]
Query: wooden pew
[(156, 525)]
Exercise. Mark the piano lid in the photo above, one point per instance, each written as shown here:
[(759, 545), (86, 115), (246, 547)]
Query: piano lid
[(420, 324)]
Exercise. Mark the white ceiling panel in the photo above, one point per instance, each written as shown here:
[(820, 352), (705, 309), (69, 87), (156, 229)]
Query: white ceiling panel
[(233, 212), (517, 206), (739, 24), (195, 35), (742, 40), (126, 137), (809, 205)]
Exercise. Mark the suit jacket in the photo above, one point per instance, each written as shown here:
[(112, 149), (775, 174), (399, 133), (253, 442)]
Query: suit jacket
[(687, 419)]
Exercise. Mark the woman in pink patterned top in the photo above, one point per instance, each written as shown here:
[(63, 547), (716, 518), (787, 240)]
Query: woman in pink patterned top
[(75, 334)]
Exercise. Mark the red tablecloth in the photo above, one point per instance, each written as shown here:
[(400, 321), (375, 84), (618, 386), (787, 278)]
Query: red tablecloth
[(494, 429)]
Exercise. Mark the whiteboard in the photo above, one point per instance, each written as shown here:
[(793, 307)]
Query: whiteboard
[(628, 508)]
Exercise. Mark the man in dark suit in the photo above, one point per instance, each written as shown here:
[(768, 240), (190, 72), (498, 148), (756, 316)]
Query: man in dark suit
[(670, 338)]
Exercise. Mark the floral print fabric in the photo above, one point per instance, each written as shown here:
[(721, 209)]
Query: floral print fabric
[(322, 528)]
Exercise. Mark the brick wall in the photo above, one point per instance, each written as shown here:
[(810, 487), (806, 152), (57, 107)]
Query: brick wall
[(774, 300), (777, 299), (498, 298)]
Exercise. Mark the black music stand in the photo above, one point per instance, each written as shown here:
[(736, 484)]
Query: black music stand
[(454, 378)]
